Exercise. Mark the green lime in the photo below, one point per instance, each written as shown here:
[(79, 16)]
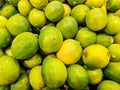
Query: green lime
[(79, 12), (108, 85), (24, 45), (104, 39), (96, 19), (10, 70), (33, 61), (75, 2), (36, 78), (5, 37), (39, 4), (68, 27), (33, 18), (50, 39), (8, 11), (54, 11), (3, 21), (54, 73), (77, 77), (26, 5), (114, 50), (86, 37), (17, 24)]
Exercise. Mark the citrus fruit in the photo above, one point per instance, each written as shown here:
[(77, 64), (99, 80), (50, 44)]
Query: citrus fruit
[(13, 2), (96, 56), (5, 37), (112, 71), (95, 76), (25, 45), (54, 11), (86, 37), (48, 56), (96, 19), (67, 9), (17, 24), (26, 5), (95, 3), (8, 11), (33, 18), (79, 12), (10, 70), (35, 78), (113, 5), (4, 87), (117, 12), (113, 25), (50, 39), (114, 50), (75, 2), (3, 21), (22, 83), (77, 77), (68, 27), (54, 73), (104, 39), (39, 4), (117, 38), (33, 61), (8, 52), (108, 85), (70, 51), (104, 7)]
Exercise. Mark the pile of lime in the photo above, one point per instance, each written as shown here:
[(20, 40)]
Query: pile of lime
[(59, 44)]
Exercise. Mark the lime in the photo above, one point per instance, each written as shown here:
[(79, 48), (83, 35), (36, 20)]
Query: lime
[(67, 9), (8, 52), (95, 3), (10, 70), (39, 4), (68, 27), (95, 76), (35, 78), (112, 71), (79, 12), (113, 5), (77, 77), (108, 85), (8, 11), (114, 50), (50, 39), (104, 39), (113, 25), (33, 61), (96, 56), (17, 24), (22, 83), (37, 18), (70, 51), (13, 2), (54, 73), (3, 21), (117, 38), (5, 37), (26, 5), (86, 37), (25, 45), (54, 11), (96, 19), (57, 0), (75, 2)]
